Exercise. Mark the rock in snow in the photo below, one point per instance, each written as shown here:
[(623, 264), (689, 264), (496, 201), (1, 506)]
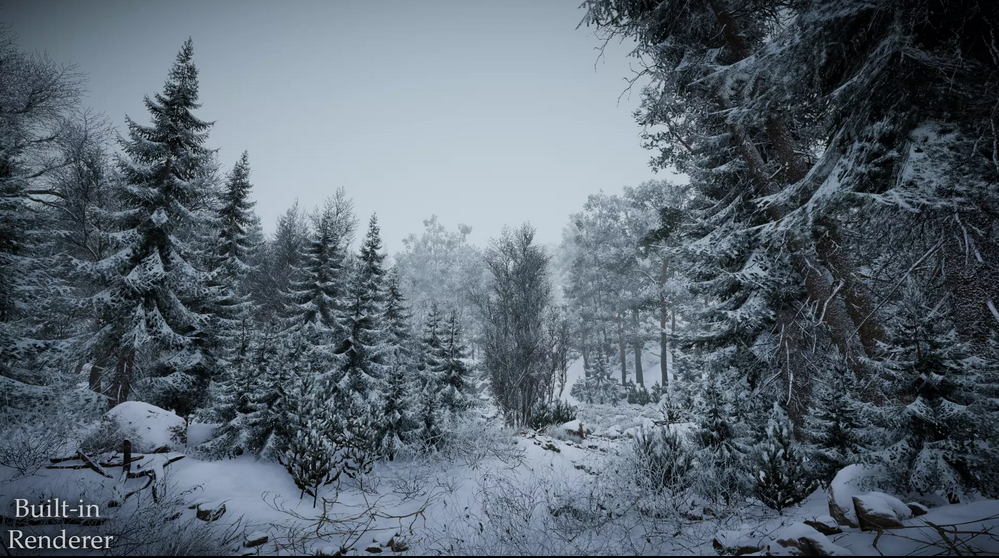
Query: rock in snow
[(875, 513), (799, 539), (150, 427)]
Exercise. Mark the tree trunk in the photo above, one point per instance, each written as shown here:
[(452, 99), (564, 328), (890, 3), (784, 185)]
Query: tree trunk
[(846, 306), (121, 385), (622, 350), (663, 338), (639, 377)]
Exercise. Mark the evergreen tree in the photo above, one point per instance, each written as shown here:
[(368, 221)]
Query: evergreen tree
[(156, 291), (722, 447), (781, 481), (400, 401), (433, 363), (310, 456), (945, 430), (836, 427), (598, 384), (454, 395), (364, 353)]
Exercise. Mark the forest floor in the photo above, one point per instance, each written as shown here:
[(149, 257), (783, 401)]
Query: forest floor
[(501, 491)]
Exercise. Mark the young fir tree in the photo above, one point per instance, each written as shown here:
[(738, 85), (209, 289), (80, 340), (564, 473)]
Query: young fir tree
[(836, 429), (235, 246), (311, 457), (598, 385), (399, 402), (455, 383), (234, 309), (722, 450), (250, 408), (945, 433), (364, 353), (781, 481), (433, 362), (156, 290)]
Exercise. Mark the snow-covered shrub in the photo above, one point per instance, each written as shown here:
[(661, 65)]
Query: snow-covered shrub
[(168, 528), (555, 413), (637, 395), (28, 440), (662, 461), (781, 481)]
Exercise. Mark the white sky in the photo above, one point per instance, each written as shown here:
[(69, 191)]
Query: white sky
[(482, 112)]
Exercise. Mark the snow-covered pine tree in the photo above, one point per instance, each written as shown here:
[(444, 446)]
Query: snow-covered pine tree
[(945, 433), (400, 401), (598, 384), (247, 405), (233, 309), (433, 361), (722, 454), (364, 353), (782, 480), (311, 457), (156, 290), (234, 246), (319, 295), (836, 429), (281, 266), (455, 396)]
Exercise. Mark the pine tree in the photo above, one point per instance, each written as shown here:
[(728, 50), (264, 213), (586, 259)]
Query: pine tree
[(364, 353), (310, 456), (722, 452), (781, 481), (598, 384), (836, 428), (157, 292), (944, 433), (433, 362), (454, 395), (401, 388), (234, 248)]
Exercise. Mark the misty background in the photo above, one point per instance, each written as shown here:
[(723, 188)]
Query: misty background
[(484, 113)]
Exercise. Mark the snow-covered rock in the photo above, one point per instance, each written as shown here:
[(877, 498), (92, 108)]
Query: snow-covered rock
[(150, 428), (799, 539), (824, 524), (875, 513), (917, 509), (851, 481)]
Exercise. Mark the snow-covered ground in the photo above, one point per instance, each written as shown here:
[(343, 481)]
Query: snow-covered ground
[(499, 492)]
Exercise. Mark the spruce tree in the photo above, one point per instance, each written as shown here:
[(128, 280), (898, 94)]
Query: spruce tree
[(364, 353), (598, 384), (400, 400), (433, 362), (723, 450), (157, 293), (455, 396), (836, 429), (781, 481), (309, 454), (945, 432)]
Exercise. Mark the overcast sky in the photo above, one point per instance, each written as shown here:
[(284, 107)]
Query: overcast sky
[(482, 112)]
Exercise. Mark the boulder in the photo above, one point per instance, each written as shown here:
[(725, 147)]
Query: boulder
[(917, 509), (801, 540), (210, 512), (149, 427), (851, 481), (824, 524), (875, 514)]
